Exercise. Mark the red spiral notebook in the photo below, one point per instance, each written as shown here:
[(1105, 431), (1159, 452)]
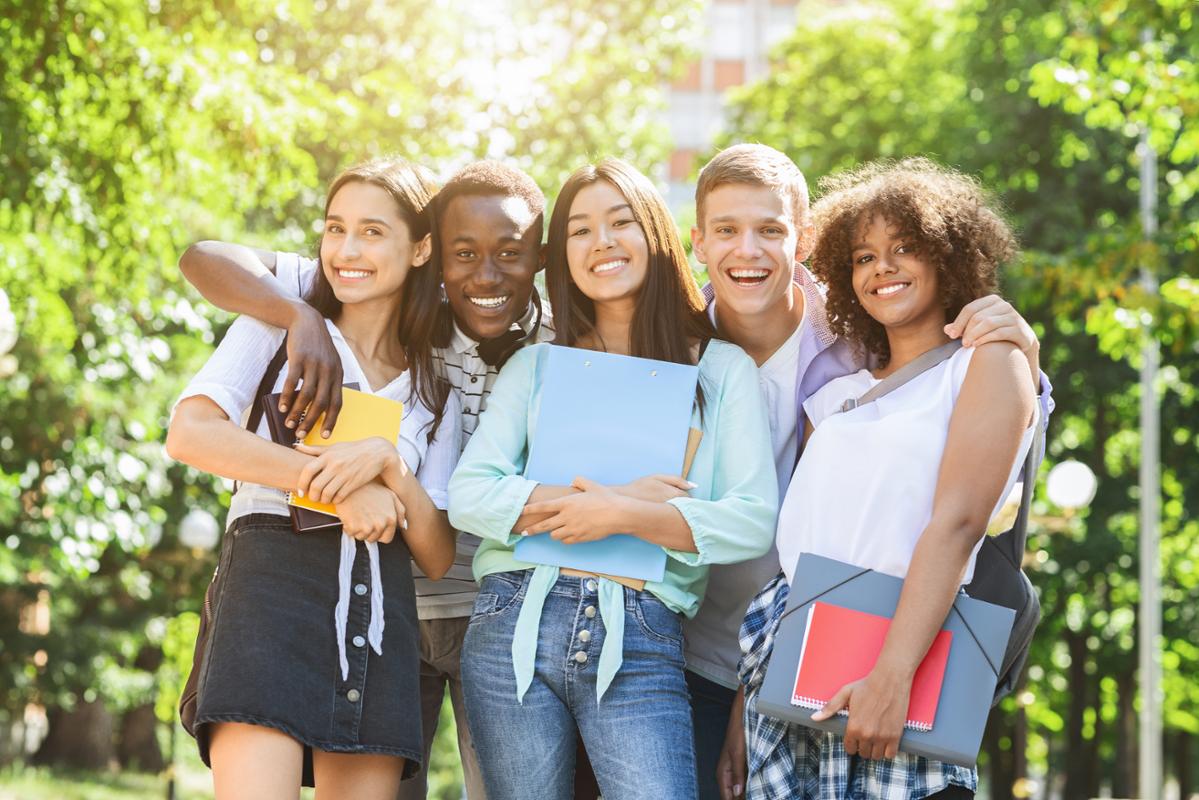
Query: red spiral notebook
[(841, 645)]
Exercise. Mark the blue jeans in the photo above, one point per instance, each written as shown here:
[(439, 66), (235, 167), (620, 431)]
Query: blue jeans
[(711, 706), (639, 739)]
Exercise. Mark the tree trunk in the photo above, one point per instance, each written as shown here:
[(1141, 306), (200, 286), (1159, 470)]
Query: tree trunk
[(137, 747), (1002, 775), (1124, 783), (1184, 767), (1076, 756), (1095, 771), (1020, 743), (81, 738)]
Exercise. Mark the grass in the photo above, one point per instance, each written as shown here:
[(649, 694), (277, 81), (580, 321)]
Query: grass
[(192, 779)]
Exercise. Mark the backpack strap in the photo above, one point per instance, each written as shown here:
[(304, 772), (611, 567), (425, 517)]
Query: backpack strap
[(907, 372), (264, 387), (1019, 537), (266, 384)]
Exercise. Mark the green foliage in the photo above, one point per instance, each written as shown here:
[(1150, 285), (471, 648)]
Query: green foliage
[(130, 129)]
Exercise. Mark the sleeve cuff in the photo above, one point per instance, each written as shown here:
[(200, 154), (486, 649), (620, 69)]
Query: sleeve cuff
[(441, 499), (494, 517), (218, 394), (699, 558), (1046, 399)]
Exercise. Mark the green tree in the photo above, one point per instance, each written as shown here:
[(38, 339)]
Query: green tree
[(130, 129)]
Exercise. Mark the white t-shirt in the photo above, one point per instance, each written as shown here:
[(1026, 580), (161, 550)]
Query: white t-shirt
[(777, 378), (863, 491), (231, 377)]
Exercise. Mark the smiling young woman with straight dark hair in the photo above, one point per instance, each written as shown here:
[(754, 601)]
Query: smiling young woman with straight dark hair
[(553, 652)]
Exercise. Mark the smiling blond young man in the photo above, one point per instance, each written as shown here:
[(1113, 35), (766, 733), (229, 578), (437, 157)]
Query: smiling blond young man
[(753, 232)]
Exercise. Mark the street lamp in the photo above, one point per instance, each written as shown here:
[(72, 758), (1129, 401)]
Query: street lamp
[(1071, 485), (8, 337), (199, 530)]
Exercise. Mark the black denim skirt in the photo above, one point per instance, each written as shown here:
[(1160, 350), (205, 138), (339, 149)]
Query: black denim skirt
[(271, 655)]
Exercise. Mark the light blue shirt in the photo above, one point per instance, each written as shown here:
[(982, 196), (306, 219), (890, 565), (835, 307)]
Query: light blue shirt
[(731, 512)]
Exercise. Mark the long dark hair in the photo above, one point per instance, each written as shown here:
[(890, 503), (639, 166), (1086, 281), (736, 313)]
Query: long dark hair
[(412, 187), (669, 313)]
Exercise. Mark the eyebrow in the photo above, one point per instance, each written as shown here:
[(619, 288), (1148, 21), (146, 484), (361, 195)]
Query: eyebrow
[(468, 239), (369, 221), (573, 217), (779, 220)]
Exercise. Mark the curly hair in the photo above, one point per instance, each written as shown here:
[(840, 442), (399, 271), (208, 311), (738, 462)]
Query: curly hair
[(946, 216)]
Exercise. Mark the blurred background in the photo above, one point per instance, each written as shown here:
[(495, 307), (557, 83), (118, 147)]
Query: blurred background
[(131, 128)]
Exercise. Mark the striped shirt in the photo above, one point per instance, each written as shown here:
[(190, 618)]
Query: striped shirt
[(472, 379)]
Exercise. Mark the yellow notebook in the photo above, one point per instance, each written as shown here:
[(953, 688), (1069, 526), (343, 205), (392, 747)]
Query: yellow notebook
[(362, 416)]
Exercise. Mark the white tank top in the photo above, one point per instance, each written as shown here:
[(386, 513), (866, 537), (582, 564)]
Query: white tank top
[(863, 491)]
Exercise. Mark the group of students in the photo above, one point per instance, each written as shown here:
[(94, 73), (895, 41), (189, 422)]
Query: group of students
[(427, 296)]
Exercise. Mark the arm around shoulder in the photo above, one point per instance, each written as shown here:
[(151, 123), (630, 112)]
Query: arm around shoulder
[(231, 277)]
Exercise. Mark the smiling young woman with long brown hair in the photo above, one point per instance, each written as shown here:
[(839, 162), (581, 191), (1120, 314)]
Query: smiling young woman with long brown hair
[(550, 653), (296, 680)]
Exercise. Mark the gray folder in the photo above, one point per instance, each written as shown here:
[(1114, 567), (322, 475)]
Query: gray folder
[(980, 635)]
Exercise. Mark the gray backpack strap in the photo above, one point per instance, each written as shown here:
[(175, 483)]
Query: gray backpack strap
[(907, 372), (1032, 461)]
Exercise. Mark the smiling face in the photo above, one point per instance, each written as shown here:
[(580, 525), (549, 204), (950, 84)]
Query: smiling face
[(491, 249), (606, 248), (893, 281), (750, 243), (366, 249)]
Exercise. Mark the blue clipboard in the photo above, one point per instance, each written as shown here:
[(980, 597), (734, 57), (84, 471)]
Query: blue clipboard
[(612, 419)]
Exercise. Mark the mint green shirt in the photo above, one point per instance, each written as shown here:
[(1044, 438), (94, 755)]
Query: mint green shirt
[(731, 512)]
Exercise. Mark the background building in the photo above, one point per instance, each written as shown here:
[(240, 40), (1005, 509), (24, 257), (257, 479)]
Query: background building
[(736, 43)]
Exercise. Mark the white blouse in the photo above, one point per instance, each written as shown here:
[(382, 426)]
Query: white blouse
[(863, 491), (231, 377)]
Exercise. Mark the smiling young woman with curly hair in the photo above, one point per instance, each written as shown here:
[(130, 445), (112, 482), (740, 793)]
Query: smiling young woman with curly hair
[(905, 485), (945, 215)]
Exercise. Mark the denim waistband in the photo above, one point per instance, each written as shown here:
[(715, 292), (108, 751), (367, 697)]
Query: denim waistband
[(258, 519), (536, 585), (572, 586)]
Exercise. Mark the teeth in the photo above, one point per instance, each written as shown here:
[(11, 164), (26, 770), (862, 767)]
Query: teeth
[(353, 273), (489, 302), (751, 274), (608, 266), (892, 289)]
